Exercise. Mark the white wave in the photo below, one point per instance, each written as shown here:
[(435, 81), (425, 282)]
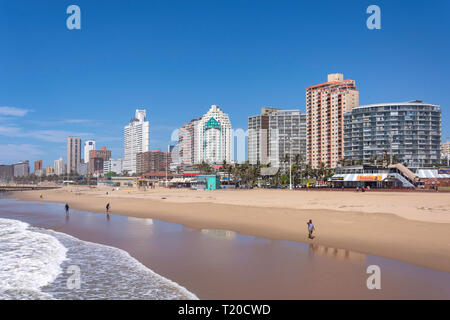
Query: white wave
[(33, 261), (111, 273), (28, 261)]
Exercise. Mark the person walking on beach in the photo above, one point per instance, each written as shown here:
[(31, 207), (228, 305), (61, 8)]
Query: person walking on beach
[(310, 229), (67, 208), (107, 207)]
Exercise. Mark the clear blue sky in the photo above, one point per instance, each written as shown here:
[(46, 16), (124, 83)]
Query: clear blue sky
[(176, 58)]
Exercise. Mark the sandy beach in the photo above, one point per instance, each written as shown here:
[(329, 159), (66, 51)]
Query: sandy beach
[(409, 227)]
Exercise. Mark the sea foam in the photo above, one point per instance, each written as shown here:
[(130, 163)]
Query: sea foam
[(28, 261), (34, 264)]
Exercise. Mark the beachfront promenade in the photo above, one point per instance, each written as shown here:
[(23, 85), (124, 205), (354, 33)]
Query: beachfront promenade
[(25, 187)]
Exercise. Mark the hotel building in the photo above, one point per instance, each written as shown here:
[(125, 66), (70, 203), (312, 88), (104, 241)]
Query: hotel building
[(152, 161), (326, 104), (412, 130), (38, 168), (73, 154), (187, 143), (445, 151), (95, 164), (21, 168), (287, 137), (275, 134), (136, 139), (258, 136), (88, 146), (112, 166), (60, 166), (213, 137)]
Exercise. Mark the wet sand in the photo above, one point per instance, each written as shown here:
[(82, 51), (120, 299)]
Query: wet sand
[(217, 264), (409, 227)]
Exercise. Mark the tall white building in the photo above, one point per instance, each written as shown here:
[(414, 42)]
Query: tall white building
[(213, 137), (136, 139), (60, 166), (88, 146)]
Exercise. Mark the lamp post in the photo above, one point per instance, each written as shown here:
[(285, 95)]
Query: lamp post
[(290, 165)]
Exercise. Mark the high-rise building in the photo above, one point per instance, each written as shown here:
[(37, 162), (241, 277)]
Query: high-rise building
[(213, 137), (49, 171), (412, 130), (112, 166), (73, 154), (136, 139), (287, 137), (21, 169), (152, 161), (326, 104), (88, 146), (60, 166), (95, 166), (38, 168), (37, 165), (258, 136), (6, 171), (275, 135), (186, 143), (445, 150)]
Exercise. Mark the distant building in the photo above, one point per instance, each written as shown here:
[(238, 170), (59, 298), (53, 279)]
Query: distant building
[(174, 157), (152, 161), (136, 140), (73, 154), (6, 171), (415, 128), (326, 104), (445, 151), (60, 166), (258, 136), (96, 165), (213, 137), (88, 146), (49, 171), (21, 169), (187, 143), (38, 167), (103, 153), (84, 169), (112, 166)]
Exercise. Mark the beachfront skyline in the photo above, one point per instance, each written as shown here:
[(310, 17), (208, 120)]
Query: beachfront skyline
[(86, 82)]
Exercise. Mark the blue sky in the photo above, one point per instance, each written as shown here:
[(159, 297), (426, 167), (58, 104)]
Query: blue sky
[(176, 58)]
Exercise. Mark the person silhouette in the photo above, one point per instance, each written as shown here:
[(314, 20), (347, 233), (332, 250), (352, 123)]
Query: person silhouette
[(311, 229)]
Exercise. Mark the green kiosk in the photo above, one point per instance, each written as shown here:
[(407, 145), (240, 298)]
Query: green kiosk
[(211, 181)]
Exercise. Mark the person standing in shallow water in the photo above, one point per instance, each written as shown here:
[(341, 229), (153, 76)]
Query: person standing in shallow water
[(310, 229), (67, 208), (107, 207)]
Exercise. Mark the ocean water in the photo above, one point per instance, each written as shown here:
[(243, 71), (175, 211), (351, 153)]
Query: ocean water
[(37, 263)]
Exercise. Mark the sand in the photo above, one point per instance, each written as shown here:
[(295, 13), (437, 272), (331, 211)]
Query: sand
[(410, 227)]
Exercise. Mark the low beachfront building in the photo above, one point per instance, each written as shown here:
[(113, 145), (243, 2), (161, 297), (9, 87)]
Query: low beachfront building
[(374, 177)]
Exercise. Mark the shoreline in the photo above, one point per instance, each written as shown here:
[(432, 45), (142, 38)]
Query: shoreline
[(423, 243), (218, 264)]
